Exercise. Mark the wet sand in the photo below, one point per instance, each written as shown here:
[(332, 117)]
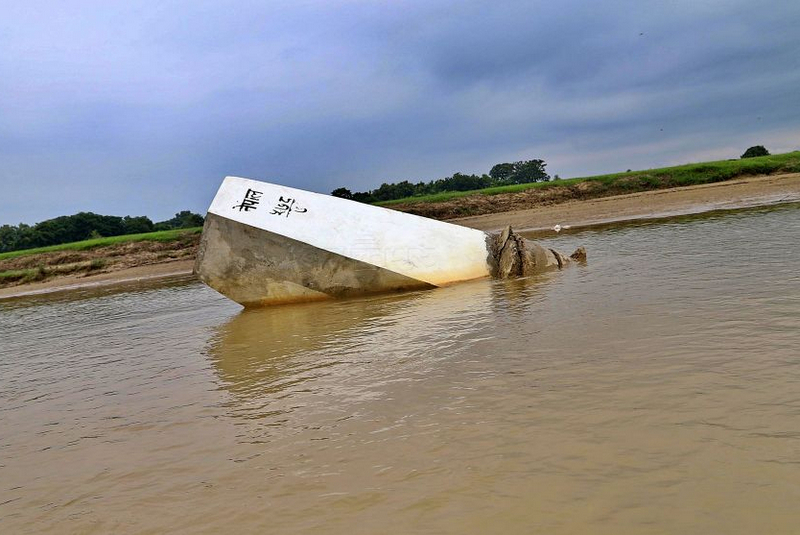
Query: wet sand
[(729, 195)]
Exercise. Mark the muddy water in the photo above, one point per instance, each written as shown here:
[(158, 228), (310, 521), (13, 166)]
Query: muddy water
[(654, 390)]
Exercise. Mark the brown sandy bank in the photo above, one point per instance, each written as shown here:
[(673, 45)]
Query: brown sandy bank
[(122, 262), (69, 282), (137, 262), (732, 194)]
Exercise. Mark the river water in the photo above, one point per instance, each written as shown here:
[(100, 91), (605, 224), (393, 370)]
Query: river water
[(654, 390)]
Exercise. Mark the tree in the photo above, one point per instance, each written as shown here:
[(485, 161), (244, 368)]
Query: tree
[(363, 196), (388, 192), (343, 193), (462, 182), (85, 225), (184, 219), (519, 172), (65, 229), (500, 175), (754, 152), (529, 171), (9, 236), (502, 171), (137, 225)]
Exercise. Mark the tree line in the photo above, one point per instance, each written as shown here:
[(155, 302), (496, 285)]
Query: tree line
[(84, 226), (502, 174)]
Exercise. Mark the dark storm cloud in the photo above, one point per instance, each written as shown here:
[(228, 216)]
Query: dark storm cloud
[(142, 109)]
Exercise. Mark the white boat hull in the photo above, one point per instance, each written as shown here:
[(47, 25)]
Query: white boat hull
[(267, 244)]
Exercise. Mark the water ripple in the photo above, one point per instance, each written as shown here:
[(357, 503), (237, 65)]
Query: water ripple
[(652, 390)]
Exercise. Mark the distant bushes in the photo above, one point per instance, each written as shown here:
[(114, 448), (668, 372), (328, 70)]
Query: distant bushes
[(503, 174), (755, 152), (184, 219), (86, 225)]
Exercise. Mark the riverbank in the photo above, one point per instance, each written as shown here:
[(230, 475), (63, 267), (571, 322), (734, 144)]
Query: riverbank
[(69, 268), (504, 198), (124, 263), (173, 268), (730, 195)]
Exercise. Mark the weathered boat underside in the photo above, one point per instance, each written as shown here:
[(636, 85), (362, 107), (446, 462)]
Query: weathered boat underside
[(337, 248), (256, 267)]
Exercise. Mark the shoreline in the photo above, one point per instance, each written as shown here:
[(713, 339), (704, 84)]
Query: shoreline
[(175, 268), (750, 192)]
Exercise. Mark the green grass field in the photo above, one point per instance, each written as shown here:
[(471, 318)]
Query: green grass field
[(666, 177), (162, 236)]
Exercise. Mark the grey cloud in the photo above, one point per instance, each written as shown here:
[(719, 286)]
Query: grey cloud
[(142, 108)]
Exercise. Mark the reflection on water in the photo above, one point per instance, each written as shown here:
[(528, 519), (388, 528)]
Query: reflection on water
[(323, 348), (653, 390)]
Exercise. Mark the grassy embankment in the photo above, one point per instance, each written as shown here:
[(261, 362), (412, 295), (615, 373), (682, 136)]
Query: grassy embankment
[(89, 256), (502, 198)]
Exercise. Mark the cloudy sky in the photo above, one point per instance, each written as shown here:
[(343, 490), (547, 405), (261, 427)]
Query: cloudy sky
[(142, 107)]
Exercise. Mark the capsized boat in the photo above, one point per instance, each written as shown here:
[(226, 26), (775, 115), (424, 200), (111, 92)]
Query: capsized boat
[(265, 244)]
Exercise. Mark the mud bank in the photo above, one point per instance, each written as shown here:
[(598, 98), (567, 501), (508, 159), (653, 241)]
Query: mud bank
[(174, 268), (58, 270), (731, 195)]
